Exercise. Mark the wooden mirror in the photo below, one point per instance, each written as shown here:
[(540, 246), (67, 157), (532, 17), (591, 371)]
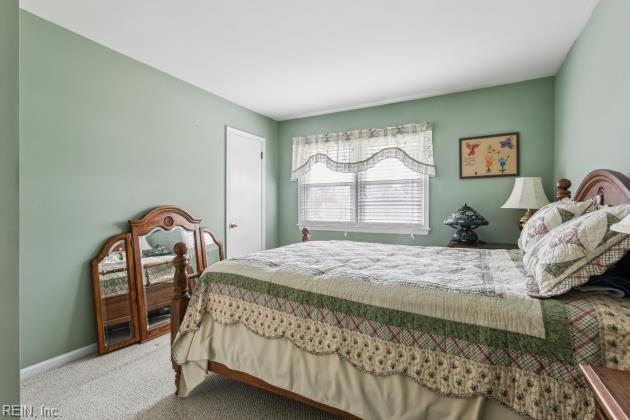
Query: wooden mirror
[(115, 294), (132, 276), (212, 248), (153, 237)]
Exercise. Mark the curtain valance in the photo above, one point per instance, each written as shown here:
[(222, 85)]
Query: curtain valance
[(359, 150)]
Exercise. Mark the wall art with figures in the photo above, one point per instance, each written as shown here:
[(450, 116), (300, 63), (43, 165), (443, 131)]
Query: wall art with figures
[(485, 156)]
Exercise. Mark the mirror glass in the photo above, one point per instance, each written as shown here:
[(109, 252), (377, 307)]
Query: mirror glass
[(156, 255), (211, 249), (114, 280)]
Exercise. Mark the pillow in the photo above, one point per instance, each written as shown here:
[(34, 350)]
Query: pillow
[(557, 262), (594, 273), (550, 216)]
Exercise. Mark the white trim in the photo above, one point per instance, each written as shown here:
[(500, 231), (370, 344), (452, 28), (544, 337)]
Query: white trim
[(57, 361), (427, 202), (228, 131), (368, 228)]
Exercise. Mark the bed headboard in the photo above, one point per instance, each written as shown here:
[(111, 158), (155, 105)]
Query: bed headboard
[(613, 187)]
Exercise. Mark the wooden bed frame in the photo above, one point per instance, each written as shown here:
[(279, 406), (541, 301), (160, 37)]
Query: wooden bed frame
[(612, 187)]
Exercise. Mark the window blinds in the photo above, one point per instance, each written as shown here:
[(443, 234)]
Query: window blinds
[(390, 193), (387, 194), (327, 196), (373, 180)]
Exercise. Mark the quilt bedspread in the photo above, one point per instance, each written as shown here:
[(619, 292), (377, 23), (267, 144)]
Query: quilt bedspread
[(457, 321)]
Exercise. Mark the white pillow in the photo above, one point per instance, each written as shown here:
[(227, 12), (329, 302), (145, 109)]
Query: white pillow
[(557, 262), (552, 216)]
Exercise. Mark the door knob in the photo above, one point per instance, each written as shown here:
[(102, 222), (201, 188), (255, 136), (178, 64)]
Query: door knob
[(233, 225)]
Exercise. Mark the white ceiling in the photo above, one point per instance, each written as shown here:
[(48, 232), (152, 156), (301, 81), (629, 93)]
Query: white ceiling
[(291, 58)]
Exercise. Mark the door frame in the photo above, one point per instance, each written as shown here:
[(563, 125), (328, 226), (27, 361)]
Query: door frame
[(229, 131)]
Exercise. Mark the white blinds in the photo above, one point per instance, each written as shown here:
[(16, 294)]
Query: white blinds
[(386, 195), (327, 196), (390, 193), (365, 180)]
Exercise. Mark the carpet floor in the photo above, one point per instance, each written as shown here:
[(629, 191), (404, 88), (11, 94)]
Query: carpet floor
[(137, 383)]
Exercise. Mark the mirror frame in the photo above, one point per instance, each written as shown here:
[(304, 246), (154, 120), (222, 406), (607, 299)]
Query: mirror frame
[(168, 218), (203, 245), (96, 286)]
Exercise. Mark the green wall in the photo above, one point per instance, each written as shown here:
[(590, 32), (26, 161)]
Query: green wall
[(593, 97), (526, 107), (9, 143), (103, 139)]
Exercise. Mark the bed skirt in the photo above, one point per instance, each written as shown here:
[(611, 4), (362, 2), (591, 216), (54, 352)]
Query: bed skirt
[(324, 378)]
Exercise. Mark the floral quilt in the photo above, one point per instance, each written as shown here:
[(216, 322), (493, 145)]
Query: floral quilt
[(457, 321)]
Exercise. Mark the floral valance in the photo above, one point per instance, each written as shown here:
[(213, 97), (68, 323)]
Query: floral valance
[(359, 150)]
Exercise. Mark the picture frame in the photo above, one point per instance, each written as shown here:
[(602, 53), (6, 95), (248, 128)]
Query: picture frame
[(493, 155)]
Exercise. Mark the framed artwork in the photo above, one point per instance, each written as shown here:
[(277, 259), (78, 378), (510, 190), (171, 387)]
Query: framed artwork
[(486, 156)]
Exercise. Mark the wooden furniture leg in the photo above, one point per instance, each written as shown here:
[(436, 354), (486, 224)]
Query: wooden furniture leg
[(306, 234), (180, 300)]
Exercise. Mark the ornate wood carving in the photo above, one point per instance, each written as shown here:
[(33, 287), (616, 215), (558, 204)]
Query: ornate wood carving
[(612, 187), (168, 218), (306, 234)]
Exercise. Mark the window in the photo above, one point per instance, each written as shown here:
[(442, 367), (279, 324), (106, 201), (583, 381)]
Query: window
[(367, 180), (387, 198)]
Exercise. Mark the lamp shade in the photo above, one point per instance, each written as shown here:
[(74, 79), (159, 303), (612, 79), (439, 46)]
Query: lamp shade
[(623, 226), (466, 217), (465, 220), (528, 193)]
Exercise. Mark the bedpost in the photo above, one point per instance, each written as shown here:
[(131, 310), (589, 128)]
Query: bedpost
[(306, 234), (562, 189), (180, 300)]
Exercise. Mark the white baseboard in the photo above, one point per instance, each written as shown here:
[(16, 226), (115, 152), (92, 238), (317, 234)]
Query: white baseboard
[(57, 361)]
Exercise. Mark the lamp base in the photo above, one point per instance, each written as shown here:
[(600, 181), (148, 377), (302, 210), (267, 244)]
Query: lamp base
[(523, 220), (465, 236)]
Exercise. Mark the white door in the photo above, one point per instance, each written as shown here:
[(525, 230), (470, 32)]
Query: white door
[(245, 193)]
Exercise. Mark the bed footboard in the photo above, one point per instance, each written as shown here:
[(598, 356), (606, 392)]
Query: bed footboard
[(181, 293), (181, 297)]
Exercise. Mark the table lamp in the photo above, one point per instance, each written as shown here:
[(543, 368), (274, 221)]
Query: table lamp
[(465, 220), (623, 226), (527, 194)]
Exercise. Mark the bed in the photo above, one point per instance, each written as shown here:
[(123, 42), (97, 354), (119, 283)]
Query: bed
[(390, 331)]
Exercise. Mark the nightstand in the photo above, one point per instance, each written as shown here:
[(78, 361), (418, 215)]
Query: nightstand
[(612, 391), (482, 245)]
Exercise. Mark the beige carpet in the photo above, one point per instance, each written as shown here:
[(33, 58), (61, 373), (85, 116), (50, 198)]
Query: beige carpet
[(137, 382)]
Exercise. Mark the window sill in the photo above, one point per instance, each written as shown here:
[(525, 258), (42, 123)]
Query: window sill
[(394, 230)]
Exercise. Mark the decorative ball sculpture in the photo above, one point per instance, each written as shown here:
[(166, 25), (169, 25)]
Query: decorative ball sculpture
[(465, 220)]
